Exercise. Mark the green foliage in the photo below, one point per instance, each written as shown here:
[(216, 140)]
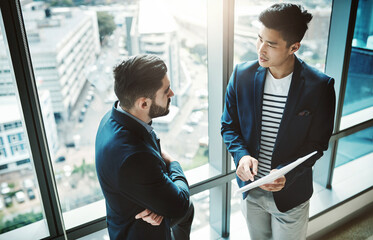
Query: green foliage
[(20, 221), (84, 169), (106, 25), (201, 158), (61, 3)]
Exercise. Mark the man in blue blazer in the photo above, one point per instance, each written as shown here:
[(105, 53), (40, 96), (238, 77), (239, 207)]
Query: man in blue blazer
[(278, 109), (145, 189)]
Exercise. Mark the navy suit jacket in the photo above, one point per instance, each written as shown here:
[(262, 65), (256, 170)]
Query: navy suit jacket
[(306, 125), (134, 177)]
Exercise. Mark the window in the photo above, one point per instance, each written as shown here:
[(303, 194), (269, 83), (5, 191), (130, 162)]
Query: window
[(74, 87), (313, 46), (238, 227), (21, 210), (12, 125), (2, 153), (354, 155), (358, 100), (15, 137), (78, 87)]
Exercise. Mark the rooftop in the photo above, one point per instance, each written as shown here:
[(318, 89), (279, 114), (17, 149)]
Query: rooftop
[(8, 105)]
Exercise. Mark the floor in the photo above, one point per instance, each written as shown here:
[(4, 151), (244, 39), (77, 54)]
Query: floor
[(360, 228)]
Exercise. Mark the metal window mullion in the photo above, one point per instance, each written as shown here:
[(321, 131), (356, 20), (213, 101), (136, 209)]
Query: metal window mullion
[(217, 49), (228, 55), (27, 91), (337, 61)]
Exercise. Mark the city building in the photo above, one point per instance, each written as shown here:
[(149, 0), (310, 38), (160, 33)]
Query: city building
[(154, 31), (14, 146), (63, 43)]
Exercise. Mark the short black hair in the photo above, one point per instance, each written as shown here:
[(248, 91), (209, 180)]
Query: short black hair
[(290, 20), (138, 76)]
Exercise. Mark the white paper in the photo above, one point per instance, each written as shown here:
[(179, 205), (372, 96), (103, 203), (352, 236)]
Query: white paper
[(274, 175)]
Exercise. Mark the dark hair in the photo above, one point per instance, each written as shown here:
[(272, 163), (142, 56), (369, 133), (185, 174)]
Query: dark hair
[(289, 19), (138, 76)]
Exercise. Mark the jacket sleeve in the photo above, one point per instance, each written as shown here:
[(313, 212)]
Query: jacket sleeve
[(143, 180), (230, 126), (318, 135)]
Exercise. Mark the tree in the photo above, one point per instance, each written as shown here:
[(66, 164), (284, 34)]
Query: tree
[(20, 221), (106, 25), (61, 3)]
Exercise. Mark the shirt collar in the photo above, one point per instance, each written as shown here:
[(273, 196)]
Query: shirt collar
[(148, 127)]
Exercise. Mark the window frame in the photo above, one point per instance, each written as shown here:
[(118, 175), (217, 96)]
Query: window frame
[(220, 65)]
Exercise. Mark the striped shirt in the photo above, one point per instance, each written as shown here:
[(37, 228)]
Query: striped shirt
[(274, 101)]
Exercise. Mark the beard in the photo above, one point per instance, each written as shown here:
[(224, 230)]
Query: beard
[(159, 111)]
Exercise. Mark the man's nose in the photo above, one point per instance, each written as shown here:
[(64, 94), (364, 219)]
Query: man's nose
[(262, 49)]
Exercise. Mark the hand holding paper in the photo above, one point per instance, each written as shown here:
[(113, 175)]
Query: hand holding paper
[(274, 175), (276, 185)]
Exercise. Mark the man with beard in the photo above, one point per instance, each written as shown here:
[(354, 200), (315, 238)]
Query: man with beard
[(278, 109), (146, 192)]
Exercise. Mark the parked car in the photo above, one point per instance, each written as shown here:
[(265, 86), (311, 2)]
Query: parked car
[(86, 103), (70, 145), (5, 189), (81, 118), (30, 194), (1, 204), (28, 183), (20, 196), (61, 159), (8, 200)]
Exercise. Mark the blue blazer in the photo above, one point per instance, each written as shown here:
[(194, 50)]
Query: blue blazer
[(306, 125), (134, 177)]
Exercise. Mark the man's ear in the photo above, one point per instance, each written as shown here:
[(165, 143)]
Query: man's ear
[(143, 103), (294, 47)]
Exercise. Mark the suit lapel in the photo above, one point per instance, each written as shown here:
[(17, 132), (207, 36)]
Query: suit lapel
[(295, 91), (259, 89)]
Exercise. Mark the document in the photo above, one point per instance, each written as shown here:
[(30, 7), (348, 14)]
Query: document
[(274, 175)]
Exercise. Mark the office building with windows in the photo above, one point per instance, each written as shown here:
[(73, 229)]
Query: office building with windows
[(63, 42), (205, 40), (14, 152)]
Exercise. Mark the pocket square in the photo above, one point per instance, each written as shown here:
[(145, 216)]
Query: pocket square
[(304, 113)]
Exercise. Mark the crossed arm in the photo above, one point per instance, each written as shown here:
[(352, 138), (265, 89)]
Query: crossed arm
[(145, 180)]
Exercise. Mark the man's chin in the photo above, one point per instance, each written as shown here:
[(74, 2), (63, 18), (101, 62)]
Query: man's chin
[(162, 114), (264, 64)]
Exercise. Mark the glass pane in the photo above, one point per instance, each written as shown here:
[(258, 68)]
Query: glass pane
[(184, 132), (354, 156), (313, 45), (20, 202), (358, 101), (355, 146), (238, 227), (74, 50), (204, 221)]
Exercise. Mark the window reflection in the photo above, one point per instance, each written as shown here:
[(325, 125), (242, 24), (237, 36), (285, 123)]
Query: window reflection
[(359, 89), (354, 155), (354, 146)]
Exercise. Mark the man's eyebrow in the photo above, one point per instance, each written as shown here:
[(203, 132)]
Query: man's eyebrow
[(272, 43)]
